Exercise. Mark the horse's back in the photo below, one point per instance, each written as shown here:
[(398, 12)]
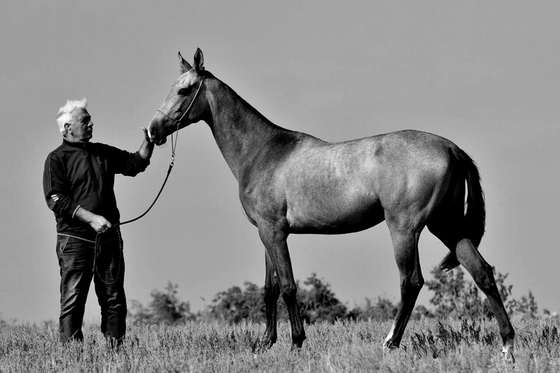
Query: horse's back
[(403, 152)]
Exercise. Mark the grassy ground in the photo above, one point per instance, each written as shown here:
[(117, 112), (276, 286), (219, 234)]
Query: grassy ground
[(428, 346)]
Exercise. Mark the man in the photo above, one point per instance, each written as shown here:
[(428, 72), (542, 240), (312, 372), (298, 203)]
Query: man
[(78, 183)]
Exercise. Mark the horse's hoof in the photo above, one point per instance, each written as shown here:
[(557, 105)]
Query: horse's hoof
[(264, 345), (508, 357), (297, 343), (295, 348), (388, 346), (507, 354), (267, 344)]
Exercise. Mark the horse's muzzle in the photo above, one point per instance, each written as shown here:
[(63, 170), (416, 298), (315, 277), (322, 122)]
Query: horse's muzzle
[(153, 137)]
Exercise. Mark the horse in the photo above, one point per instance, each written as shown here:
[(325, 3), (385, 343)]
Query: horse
[(294, 183)]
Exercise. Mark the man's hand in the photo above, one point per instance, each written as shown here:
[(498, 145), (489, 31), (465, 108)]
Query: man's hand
[(146, 134), (147, 146), (97, 222), (100, 224)]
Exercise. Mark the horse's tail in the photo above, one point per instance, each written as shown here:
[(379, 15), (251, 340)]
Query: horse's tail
[(475, 215)]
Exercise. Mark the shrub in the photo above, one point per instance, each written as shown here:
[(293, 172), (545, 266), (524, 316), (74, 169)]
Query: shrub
[(165, 308), (235, 304), (456, 297), (317, 302)]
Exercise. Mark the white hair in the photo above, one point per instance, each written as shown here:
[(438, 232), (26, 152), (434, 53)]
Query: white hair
[(65, 113)]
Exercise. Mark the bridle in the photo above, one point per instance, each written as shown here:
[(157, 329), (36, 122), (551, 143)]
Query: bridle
[(188, 108), (173, 148)]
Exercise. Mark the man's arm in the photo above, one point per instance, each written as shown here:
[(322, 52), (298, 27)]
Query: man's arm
[(130, 164), (55, 188)]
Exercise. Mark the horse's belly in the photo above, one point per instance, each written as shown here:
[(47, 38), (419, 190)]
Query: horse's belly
[(333, 218)]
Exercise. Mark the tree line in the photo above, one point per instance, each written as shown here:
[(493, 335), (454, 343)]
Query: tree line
[(453, 296)]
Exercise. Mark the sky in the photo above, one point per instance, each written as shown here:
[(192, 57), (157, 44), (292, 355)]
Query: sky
[(482, 74)]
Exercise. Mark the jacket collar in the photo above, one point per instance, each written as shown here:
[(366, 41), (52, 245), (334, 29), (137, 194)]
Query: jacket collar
[(78, 144)]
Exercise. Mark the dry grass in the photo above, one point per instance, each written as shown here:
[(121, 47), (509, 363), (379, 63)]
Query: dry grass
[(428, 346)]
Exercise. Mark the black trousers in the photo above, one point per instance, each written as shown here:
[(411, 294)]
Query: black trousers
[(81, 261)]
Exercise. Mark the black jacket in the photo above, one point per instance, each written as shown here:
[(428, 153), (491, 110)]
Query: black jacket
[(83, 174)]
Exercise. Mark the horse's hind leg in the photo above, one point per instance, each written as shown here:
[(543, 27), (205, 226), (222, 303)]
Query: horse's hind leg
[(482, 274), (271, 294), (445, 228), (405, 243)]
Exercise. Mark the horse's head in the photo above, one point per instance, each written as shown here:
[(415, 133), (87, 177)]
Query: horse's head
[(183, 104)]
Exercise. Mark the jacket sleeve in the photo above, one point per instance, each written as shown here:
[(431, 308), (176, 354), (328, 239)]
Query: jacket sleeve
[(56, 188), (126, 163), (135, 164)]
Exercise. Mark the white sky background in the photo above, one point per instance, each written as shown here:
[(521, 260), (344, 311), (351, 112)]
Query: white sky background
[(483, 74)]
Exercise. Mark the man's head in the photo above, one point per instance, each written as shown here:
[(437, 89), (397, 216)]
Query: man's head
[(74, 121)]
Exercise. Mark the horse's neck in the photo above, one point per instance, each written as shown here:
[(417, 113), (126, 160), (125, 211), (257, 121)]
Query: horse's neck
[(239, 129)]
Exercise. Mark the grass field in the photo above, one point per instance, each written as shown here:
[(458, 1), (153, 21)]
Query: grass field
[(428, 346)]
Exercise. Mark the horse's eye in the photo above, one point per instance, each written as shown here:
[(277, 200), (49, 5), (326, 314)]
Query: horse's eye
[(183, 91)]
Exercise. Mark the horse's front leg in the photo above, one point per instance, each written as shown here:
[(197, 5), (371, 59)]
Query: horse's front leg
[(274, 240), (271, 294)]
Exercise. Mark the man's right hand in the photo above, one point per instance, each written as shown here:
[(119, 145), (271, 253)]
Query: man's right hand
[(100, 224), (97, 222)]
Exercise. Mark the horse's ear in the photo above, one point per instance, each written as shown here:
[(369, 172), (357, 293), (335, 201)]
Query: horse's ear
[(198, 61), (183, 64)]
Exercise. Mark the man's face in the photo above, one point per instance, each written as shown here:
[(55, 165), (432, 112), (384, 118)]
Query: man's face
[(80, 127)]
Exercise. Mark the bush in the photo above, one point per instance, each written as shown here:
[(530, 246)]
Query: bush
[(316, 302), (383, 310), (165, 308), (235, 304), (456, 297)]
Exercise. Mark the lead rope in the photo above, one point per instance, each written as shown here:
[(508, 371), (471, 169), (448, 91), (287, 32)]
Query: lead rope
[(174, 140), (173, 148), (96, 253), (171, 164), (97, 248)]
